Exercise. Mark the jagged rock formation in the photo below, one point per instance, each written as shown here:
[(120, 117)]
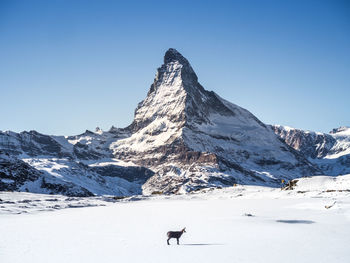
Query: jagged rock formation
[(182, 138), (310, 144), (329, 151)]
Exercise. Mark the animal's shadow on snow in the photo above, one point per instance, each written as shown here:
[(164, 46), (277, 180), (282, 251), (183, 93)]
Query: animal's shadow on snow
[(296, 221), (202, 244)]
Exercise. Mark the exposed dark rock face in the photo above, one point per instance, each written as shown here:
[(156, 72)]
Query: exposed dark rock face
[(32, 143), (310, 144), (68, 189), (14, 173), (138, 174)]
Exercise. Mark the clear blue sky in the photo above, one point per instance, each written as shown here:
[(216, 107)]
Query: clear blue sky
[(67, 66)]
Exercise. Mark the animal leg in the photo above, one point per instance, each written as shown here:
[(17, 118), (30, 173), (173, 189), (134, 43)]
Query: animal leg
[(168, 241), (177, 241)]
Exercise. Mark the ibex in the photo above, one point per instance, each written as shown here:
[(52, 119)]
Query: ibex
[(175, 234)]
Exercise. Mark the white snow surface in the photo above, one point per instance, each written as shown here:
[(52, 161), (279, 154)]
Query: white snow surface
[(159, 132), (342, 146), (236, 224)]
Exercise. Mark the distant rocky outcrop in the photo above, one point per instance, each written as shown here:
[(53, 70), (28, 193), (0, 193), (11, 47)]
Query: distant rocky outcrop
[(330, 152), (16, 175)]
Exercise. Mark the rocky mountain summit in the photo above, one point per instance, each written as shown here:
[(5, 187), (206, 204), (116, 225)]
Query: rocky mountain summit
[(193, 138), (183, 138)]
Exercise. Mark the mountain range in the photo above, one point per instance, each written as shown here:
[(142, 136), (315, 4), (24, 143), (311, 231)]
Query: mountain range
[(183, 138)]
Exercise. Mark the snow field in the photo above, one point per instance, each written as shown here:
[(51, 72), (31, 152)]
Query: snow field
[(290, 228)]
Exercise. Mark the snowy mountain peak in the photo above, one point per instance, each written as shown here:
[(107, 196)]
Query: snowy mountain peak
[(343, 129), (190, 137), (172, 55), (175, 68), (177, 96), (168, 95), (98, 130)]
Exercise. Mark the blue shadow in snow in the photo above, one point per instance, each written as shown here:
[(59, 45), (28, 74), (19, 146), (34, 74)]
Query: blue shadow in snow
[(296, 221), (202, 244)]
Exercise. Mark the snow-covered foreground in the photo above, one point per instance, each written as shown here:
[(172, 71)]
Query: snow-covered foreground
[(285, 226)]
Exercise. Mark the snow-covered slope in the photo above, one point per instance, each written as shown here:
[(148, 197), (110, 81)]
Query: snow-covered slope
[(17, 175), (79, 165), (329, 151)]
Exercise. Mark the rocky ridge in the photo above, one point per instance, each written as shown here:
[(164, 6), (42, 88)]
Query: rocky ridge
[(330, 152), (183, 138)]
